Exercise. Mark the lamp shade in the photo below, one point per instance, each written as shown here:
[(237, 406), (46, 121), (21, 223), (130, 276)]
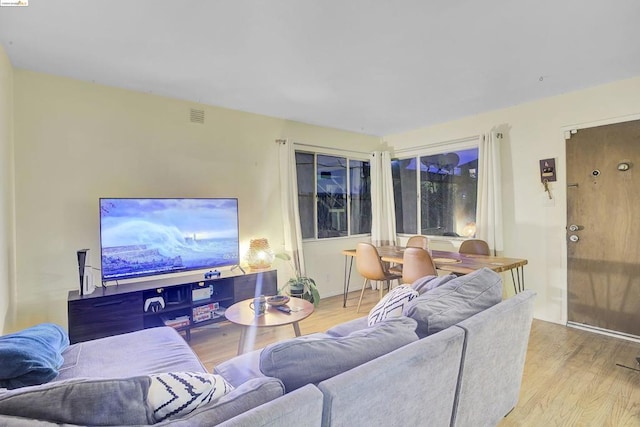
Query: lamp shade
[(260, 255)]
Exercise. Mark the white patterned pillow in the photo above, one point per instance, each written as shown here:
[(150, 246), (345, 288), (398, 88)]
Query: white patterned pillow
[(178, 393), (392, 304)]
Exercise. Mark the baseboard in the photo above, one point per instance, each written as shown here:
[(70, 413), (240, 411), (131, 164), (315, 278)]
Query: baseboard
[(603, 331)]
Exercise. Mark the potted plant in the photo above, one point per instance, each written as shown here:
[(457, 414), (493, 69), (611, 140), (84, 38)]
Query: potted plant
[(300, 286)]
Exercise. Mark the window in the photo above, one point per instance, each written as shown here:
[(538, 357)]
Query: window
[(435, 194), (334, 195)]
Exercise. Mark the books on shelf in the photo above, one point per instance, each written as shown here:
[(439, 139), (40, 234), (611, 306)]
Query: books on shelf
[(177, 322), (207, 312)]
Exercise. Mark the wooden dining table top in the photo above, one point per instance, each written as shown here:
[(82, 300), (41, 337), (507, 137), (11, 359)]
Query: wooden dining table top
[(453, 262)]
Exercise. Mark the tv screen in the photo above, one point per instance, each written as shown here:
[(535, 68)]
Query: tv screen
[(142, 237)]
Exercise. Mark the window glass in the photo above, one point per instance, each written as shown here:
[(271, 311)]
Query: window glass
[(360, 204), (334, 195), (447, 193), (405, 193), (331, 178), (305, 166)]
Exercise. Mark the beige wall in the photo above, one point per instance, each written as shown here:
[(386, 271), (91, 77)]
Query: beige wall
[(6, 189), (535, 131), (76, 141)]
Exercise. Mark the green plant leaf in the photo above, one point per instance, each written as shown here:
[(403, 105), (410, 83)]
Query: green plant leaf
[(316, 296), (284, 256)]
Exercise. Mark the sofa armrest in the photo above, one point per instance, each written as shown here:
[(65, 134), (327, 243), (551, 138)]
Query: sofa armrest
[(251, 394), (413, 385), (496, 343), (304, 403)]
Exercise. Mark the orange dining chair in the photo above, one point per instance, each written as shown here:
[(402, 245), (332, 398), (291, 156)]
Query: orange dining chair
[(369, 265), (418, 241), (417, 263), (475, 247)]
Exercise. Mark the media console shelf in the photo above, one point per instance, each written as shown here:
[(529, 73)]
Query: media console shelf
[(185, 303)]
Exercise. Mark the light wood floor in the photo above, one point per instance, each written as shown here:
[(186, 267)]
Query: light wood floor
[(571, 376)]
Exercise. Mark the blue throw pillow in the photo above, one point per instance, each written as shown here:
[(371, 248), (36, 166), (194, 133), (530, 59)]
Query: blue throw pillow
[(32, 356)]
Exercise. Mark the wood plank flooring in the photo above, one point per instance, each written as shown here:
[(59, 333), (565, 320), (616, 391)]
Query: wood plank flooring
[(571, 376)]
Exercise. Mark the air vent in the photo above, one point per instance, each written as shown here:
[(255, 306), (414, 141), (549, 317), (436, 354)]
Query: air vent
[(197, 116)]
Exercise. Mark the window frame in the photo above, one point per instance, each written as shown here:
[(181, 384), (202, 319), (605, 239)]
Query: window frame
[(348, 156), (430, 150)]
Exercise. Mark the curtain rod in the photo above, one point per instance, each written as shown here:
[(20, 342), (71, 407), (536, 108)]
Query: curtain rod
[(438, 144), (284, 141)]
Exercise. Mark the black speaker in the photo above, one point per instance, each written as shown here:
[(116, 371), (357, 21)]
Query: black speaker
[(82, 265)]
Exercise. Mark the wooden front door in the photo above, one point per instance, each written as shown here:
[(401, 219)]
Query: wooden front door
[(603, 227)]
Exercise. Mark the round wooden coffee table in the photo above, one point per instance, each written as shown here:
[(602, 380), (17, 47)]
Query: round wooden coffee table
[(240, 313)]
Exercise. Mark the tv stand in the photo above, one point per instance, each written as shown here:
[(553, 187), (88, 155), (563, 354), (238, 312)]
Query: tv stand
[(238, 266), (185, 302)]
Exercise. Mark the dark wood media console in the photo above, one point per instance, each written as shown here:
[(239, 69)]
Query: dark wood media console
[(189, 302)]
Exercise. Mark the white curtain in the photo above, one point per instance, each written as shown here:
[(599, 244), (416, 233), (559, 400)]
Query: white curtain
[(289, 198), (383, 214), (489, 205)]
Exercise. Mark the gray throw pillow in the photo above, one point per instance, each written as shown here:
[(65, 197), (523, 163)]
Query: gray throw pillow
[(299, 361), (145, 399), (454, 301), (427, 283), (82, 401), (344, 329)]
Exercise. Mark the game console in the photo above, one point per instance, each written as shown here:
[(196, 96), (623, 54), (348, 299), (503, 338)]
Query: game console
[(212, 274), (154, 304), (84, 270)]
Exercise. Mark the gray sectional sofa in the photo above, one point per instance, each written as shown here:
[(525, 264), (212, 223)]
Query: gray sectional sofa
[(454, 358)]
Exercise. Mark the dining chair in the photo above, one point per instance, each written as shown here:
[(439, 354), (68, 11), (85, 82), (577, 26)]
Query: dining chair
[(417, 263), (475, 246), (370, 266), (418, 241)]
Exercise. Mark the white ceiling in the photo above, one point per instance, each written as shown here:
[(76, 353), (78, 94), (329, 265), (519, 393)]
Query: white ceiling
[(371, 66)]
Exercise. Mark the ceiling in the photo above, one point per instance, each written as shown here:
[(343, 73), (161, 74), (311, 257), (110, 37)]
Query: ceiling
[(371, 66)]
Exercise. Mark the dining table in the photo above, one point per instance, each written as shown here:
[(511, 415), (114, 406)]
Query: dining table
[(451, 262)]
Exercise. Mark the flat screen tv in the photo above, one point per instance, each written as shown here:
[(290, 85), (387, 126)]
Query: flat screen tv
[(144, 237)]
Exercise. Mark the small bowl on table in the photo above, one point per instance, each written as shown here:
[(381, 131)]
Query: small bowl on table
[(278, 300)]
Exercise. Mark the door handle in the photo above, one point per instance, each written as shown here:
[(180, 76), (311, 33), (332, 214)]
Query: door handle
[(574, 227)]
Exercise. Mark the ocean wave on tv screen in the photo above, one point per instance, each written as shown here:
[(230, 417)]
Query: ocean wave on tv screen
[(140, 247)]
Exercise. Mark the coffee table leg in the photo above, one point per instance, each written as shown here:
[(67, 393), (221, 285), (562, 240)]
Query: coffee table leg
[(241, 342), (296, 328)]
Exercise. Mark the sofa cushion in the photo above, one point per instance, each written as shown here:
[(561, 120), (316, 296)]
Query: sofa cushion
[(455, 301), (391, 305), (241, 368), (115, 401), (32, 356), (344, 329), (428, 283), (175, 394), (145, 352), (301, 361)]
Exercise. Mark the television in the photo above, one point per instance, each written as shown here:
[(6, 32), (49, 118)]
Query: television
[(146, 236)]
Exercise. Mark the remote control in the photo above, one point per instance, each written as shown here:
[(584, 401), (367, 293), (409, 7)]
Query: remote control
[(283, 308)]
